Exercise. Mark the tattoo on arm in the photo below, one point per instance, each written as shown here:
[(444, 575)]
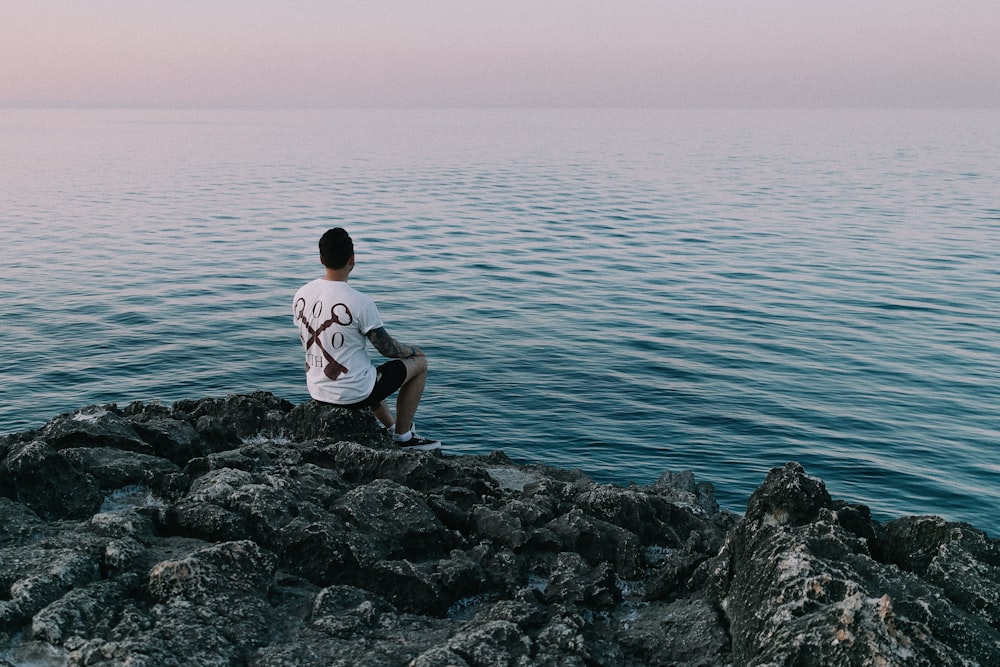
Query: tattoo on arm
[(389, 346)]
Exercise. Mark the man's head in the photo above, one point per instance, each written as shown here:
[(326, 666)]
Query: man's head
[(336, 248)]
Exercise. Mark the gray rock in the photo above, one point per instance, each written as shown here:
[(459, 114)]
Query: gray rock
[(240, 415), (313, 420), (248, 531), (94, 426), (396, 519), (175, 440), (959, 559), (805, 590), (91, 609), (47, 482), (501, 526), (573, 582), (599, 541), (682, 489), (20, 525), (35, 576), (114, 469), (685, 633), (230, 568)]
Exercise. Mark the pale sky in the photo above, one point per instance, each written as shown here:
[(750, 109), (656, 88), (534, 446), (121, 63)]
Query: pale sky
[(500, 53)]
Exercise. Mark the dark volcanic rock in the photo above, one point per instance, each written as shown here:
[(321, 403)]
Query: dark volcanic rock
[(805, 589), (248, 531), (959, 559), (97, 426), (44, 480)]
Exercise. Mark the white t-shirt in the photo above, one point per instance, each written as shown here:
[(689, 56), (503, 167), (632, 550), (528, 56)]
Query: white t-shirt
[(333, 319)]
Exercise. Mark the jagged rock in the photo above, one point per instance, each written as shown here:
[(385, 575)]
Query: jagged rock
[(359, 464), (240, 568), (94, 426), (91, 609), (652, 518), (314, 420), (208, 608), (563, 643), (499, 526), (347, 625), (685, 633), (599, 541), (35, 576), (175, 440), (573, 581), (397, 521), (959, 559), (114, 469), (44, 480), (806, 590), (248, 531), (244, 416), (19, 524), (682, 489), (494, 643)]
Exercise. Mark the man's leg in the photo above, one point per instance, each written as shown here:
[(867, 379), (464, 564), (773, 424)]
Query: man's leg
[(409, 394), (383, 414)]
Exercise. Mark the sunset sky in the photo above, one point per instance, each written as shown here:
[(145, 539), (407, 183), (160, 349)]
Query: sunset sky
[(500, 53)]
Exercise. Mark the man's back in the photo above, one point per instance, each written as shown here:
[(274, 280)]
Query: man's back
[(333, 319)]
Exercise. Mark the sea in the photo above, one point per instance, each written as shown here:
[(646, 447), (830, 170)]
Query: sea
[(624, 292)]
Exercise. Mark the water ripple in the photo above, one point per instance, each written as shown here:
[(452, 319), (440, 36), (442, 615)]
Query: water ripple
[(624, 292)]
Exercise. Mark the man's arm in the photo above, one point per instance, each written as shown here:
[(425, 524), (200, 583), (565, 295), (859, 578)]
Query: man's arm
[(390, 347)]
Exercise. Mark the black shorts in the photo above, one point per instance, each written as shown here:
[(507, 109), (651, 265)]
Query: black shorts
[(388, 378)]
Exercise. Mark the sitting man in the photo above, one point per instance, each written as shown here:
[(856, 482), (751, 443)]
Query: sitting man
[(334, 319)]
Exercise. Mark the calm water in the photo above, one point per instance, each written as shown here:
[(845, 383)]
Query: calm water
[(625, 292)]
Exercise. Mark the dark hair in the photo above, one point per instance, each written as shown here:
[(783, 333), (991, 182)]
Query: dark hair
[(335, 248)]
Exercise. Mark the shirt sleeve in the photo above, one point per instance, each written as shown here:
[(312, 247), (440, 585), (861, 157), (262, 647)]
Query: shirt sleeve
[(370, 318)]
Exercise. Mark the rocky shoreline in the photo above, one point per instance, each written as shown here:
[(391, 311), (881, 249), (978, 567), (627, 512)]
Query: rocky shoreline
[(250, 531)]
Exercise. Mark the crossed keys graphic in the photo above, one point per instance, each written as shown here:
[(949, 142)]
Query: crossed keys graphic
[(333, 369)]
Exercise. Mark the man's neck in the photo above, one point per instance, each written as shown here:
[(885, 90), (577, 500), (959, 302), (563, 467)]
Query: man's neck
[(339, 275)]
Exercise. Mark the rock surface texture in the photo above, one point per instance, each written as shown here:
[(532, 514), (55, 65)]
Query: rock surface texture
[(248, 531)]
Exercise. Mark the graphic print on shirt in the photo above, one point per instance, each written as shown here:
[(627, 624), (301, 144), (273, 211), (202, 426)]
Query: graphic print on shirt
[(341, 315)]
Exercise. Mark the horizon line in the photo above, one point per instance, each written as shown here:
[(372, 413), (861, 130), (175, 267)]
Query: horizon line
[(73, 106)]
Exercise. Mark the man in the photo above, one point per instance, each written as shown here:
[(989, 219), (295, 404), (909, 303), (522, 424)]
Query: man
[(334, 319)]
